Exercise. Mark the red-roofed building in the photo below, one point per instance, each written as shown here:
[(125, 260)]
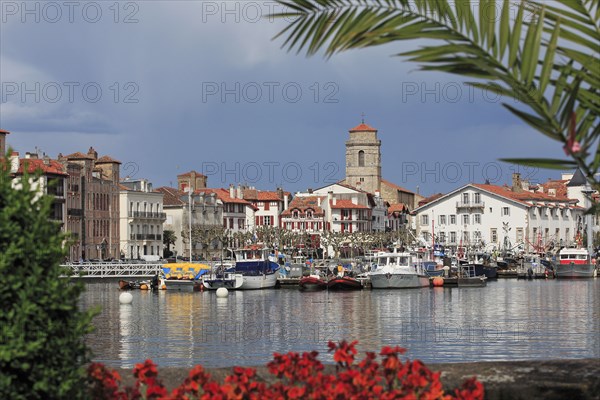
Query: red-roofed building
[(213, 210), (304, 214), (345, 209), (489, 217), (269, 205), (52, 181)]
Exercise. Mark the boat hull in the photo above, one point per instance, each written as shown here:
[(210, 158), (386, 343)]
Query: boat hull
[(182, 285), (262, 281), (344, 284), (310, 284), (574, 271), (477, 281), (229, 282), (398, 281)]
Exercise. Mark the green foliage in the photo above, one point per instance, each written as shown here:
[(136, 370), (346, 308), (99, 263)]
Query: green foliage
[(544, 55), (42, 350)]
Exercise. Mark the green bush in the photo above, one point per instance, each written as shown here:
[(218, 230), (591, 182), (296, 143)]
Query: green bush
[(42, 349)]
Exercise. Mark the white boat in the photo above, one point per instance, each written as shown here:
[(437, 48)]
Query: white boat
[(397, 271), (258, 268), (220, 278), (574, 263)]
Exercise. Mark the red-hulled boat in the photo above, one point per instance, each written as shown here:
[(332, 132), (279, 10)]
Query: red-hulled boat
[(312, 284), (344, 283)]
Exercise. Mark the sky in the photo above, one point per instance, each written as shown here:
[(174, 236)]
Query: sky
[(170, 86)]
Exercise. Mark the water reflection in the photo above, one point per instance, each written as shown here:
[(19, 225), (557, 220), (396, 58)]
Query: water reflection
[(507, 320)]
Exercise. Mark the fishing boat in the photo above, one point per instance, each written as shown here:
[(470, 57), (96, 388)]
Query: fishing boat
[(344, 283), (220, 278), (397, 271), (467, 277), (258, 268), (534, 267), (574, 263)]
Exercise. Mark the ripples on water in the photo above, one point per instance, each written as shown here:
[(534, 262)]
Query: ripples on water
[(507, 320)]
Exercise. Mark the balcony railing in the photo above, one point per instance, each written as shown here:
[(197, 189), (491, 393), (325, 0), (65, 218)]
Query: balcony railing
[(147, 215), (145, 236), (470, 204)]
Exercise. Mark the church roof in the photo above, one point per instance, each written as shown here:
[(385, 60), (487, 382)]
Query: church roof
[(363, 128), (578, 179)]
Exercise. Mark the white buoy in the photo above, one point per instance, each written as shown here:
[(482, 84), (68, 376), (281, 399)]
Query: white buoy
[(125, 298), (222, 292)]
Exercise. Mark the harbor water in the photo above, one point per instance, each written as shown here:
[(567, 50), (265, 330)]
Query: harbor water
[(507, 320)]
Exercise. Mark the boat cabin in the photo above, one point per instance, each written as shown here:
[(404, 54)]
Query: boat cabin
[(399, 259), (252, 253), (573, 256)]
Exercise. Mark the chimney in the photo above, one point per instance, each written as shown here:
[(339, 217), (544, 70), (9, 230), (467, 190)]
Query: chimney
[(240, 195), (525, 185), (46, 160), (285, 202), (319, 201), (310, 190), (231, 191), (14, 162), (516, 182)]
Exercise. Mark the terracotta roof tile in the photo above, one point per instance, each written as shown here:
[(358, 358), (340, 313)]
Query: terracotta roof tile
[(303, 204), (223, 195), (171, 196), (106, 160), (79, 156), (341, 203), (363, 128), (269, 196), (394, 186), (34, 165), (430, 199), (3, 131), (398, 207)]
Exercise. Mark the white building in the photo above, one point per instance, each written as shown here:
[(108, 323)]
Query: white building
[(141, 220), (268, 205), (348, 209), (493, 217)]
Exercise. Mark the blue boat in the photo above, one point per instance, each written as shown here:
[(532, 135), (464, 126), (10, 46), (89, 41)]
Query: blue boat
[(257, 267)]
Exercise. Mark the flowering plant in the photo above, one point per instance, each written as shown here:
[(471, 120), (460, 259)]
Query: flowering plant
[(299, 376)]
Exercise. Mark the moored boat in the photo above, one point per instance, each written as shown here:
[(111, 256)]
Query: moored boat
[(184, 277), (467, 277), (220, 278), (344, 283), (574, 263), (312, 283), (397, 271), (259, 271)]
